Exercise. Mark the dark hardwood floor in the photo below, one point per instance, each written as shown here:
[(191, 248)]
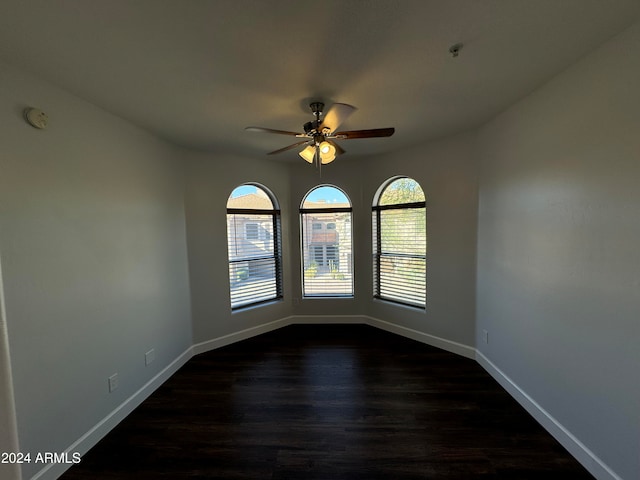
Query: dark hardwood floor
[(328, 402)]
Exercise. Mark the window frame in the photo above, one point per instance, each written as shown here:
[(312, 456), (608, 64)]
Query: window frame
[(275, 255), (313, 249), (379, 255)]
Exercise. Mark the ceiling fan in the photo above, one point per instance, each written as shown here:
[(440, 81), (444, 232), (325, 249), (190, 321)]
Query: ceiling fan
[(319, 134)]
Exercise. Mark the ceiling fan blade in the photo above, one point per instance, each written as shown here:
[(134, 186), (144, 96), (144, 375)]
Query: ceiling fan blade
[(297, 144), (336, 115), (376, 132), (271, 130)]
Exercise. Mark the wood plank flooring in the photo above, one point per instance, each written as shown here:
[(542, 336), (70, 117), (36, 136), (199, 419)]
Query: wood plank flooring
[(328, 402)]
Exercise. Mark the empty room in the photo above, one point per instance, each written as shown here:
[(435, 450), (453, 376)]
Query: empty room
[(336, 240)]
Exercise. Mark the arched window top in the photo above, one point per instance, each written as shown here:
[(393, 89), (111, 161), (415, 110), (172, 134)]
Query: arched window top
[(400, 190), (325, 196), (251, 196)]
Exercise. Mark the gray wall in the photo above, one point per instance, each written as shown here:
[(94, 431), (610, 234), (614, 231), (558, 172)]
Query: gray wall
[(210, 180), (93, 245), (447, 172), (558, 257), (304, 178), (113, 242)]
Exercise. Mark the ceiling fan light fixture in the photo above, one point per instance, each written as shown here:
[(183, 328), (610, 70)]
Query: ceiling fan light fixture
[(319, 134), (325, 147), (308, 153), (327, 153)]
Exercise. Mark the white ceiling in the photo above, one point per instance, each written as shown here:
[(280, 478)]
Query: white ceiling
[(197, 72)]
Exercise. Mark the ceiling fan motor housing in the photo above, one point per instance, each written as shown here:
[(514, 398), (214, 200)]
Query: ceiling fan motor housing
[(316, 108)]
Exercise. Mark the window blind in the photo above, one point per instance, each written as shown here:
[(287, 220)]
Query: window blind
[(254, 256), (400, 245), (327, 252)]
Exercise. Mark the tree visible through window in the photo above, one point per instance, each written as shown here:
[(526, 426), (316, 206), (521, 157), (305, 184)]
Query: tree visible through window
[(253, 241), (400, 243), (325, 223)]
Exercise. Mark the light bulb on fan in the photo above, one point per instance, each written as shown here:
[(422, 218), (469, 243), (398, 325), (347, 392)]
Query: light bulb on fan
[(327, 153)]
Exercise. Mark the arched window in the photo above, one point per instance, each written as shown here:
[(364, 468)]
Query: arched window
[(325, 223), (253, 240), (400, 243)]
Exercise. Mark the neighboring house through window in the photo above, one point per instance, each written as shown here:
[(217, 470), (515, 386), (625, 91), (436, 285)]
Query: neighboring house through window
[(325, 223), (251, 231), (400, 243), (253, 241)]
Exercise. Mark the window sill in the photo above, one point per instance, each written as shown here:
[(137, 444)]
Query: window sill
[(413, 308), (327, 297), (254, 306)]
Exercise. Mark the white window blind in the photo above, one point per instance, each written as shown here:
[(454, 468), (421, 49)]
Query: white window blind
[(400, 245), (253, 242), (327, 246)]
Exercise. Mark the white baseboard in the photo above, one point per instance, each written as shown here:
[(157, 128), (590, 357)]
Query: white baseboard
[(93, 436), (587, 458), (442, 343), (580, 452), (240, 335), (324, 319), (89, 439)]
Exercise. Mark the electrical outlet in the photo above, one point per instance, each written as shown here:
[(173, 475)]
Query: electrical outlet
[(113, 382), (486, 336), (149, 357)]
